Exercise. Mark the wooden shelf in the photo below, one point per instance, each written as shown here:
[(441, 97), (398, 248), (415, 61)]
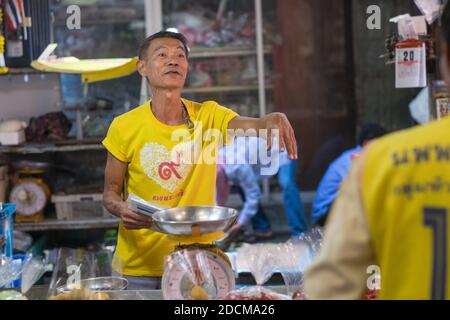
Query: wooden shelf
[(205, 52), (91, 23), (224, 89), (21, 71), (54, 224), (32, 148)]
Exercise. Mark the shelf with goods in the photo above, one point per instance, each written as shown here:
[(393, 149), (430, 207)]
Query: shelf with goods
[(66, 146), (231, 58), (115, 12), (76, 163), (21, 71), (78, 224), (224, 89), (231, 49), (199, 52)]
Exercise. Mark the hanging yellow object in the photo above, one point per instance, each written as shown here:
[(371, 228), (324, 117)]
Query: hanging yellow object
[(91, 70)]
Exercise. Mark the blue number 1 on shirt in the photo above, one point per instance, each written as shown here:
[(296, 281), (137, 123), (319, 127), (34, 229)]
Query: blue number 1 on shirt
[(436, 219)]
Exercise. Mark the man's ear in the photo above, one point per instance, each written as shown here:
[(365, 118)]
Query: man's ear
[(140, 66)]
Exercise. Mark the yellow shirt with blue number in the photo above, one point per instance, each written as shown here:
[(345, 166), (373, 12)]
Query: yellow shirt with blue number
[(165, 168), (392, 212)]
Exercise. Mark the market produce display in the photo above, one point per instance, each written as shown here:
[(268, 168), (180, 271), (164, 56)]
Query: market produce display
[(81, 294)]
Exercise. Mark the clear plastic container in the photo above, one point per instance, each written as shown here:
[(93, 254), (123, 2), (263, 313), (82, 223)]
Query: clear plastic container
[(7, 211)]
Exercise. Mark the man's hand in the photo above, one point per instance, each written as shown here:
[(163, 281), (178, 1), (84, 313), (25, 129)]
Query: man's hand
[(235, 229), (230, 236), (273, 121), (133, 220), (279, 121), (112, 200)]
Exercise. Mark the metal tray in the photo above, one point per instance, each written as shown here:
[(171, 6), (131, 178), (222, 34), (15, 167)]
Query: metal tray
[(194, 220), (97, 284)]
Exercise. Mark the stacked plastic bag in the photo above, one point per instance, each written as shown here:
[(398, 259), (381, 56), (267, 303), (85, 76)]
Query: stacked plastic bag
[(291, 259)]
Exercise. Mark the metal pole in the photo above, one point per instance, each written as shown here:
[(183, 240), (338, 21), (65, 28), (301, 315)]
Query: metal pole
[(153, 16), (260, 58), (261, 75), (153, 24)]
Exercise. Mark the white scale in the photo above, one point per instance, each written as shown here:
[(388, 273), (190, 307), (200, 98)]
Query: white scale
[(30, 194), (196, 257), (177, 281)]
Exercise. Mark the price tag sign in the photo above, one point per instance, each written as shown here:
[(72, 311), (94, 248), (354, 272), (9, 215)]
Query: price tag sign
[(442, 108), (410, 65)]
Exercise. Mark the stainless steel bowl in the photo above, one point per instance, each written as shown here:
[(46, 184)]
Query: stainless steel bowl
[(194, 220), (98, 284)]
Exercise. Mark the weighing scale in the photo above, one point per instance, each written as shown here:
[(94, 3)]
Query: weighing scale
[(30, 193), (197, 269), (184, 277)]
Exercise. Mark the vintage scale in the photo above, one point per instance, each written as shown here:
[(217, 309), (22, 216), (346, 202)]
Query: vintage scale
[(195, 229), (30, 193)]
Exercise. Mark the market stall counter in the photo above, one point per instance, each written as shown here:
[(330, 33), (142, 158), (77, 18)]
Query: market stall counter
[(40, 293)]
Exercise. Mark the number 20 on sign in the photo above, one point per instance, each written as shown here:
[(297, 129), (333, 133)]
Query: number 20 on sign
[(410, 65)]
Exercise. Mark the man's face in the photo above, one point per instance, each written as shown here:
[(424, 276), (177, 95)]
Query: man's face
[(165, 64)]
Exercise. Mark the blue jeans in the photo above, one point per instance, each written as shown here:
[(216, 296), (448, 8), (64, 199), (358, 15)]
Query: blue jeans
[(260, 222), (293, 206)]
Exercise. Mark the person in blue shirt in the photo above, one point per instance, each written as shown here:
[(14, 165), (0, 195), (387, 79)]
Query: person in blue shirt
[(246, 175), (293, 205), (336, 173)]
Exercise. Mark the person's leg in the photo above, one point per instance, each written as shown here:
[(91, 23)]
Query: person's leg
[(247, 232), (293, 205), (260, 223)]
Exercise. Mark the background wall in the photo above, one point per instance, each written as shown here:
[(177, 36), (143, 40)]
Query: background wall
[(315, 88), (331, 79), (376, 96)]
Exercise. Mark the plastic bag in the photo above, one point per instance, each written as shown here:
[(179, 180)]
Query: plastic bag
[(290, 266), (22, 241), (10, 270), (200, 281), (142, 206), (75, 265), (6, 228), (429, 8), (262, 261), (304, 249), (33, 269), (407, 29)]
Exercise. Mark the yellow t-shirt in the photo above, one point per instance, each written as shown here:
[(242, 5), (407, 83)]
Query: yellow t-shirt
[(406, 198), (162, 170)]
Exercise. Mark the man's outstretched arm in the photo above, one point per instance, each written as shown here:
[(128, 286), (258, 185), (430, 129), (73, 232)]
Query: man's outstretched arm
[(270, 122)]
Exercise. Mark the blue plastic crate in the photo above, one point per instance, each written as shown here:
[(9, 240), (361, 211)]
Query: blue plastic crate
[(7, 227)]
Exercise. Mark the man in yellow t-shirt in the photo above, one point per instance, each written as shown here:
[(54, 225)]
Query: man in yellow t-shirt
[(388, 229), (164, 152)]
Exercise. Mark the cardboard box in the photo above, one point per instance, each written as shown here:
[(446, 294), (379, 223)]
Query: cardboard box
[(79, 206), (12, 138)]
